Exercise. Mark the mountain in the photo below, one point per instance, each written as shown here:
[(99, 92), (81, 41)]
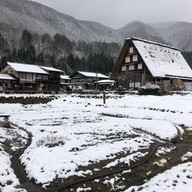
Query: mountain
[(141, 30), (179, 34), (18, 15)]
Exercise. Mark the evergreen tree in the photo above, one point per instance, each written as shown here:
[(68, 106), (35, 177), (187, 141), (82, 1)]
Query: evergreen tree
[(46, 38), (63, 42), (14, 56), (40, 58), (26, 38), (50, 60)]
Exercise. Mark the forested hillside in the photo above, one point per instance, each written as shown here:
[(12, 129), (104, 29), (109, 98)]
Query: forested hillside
[(58, 51)]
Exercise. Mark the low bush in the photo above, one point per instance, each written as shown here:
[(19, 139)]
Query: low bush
[(51, 141), (149, 89)]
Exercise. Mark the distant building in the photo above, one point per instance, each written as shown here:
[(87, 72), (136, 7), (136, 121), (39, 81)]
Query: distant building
[(65, 81), (33, 78), (53, 83), (28, 77), (105, 84), (86, 79), (141, 62)]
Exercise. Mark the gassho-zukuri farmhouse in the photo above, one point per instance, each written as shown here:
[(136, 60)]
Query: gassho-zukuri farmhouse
[(141, 62)]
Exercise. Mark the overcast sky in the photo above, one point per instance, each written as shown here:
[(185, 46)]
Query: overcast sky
[(117, 13)]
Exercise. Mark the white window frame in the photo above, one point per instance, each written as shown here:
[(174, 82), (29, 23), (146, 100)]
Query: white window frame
[(131, 67), (140, 66), (127, 59), (137, 84), (131, 85), (135, 57), (124, 68), (131, 49)]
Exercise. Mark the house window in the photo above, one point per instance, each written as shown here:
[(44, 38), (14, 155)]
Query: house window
[(130, 49), (45, 77), (39, 77), (127, 59), (131, 85), (140, 66), (131, 67), (135, 57), (137, 84), (22, 76), (29, 76), (124, 68)]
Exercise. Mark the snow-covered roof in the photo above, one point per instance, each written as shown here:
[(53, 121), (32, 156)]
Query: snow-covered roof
[(106, 81), (91, 74), (6, 77), (51, 69), (162, 60), (65, 77), (28, 68)]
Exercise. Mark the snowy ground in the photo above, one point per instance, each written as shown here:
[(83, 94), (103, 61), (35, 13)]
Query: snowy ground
[(70, 133)]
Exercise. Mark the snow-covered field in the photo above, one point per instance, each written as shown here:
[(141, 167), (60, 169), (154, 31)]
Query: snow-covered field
[(71, 133)]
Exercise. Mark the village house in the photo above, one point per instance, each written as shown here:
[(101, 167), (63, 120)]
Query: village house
[(141, 62), (32, 78), (6, 82), (53, 83), (65, 81), (87, 80), (28, 77)]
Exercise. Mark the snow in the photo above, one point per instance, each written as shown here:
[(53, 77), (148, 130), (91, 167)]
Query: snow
[(6, 77), (7, 176), (161, 163), (83, 189), (177, 179), (186, 156), (150, 86), (90, 74), (51, 69), (75, 132), (19, 67), (107, 81), (161, 60), (65, 77)]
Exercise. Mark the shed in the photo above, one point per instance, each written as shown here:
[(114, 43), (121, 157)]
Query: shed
[(6, 82)]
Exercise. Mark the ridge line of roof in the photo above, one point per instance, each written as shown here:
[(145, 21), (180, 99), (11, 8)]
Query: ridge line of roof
[(152, 42)]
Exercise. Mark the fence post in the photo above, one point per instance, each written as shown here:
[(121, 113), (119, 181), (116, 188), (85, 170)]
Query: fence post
[(104, 98)]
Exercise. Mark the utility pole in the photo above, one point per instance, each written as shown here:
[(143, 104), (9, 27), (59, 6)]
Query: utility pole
[(96, 81)]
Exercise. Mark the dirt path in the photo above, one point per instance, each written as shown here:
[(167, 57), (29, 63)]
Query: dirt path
[(75, 182), (19, 169)]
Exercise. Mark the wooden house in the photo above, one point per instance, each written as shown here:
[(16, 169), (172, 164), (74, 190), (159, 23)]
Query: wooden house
[(86, 79), (33, 78), (28, 77), (65, 82), (141, 62), (53, 83)]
